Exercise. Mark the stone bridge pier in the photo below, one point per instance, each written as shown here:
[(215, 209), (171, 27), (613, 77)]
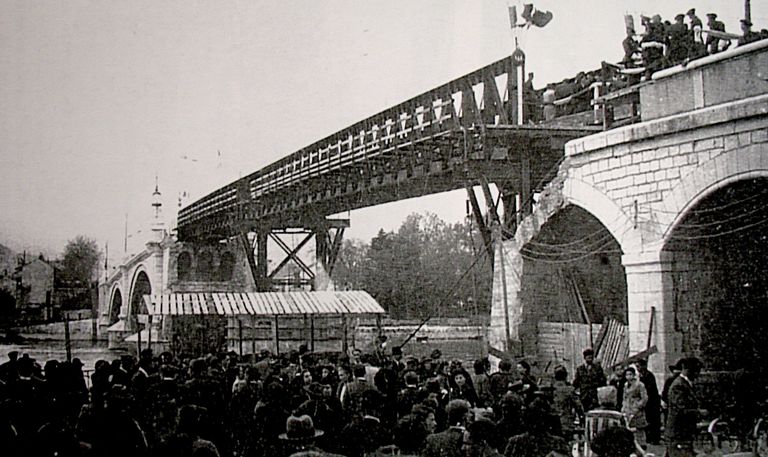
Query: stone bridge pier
[(669, 216)]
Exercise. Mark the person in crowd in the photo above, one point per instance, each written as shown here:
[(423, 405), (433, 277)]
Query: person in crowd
[(697, 46), (631, 49), (351, 399), (365, 432), (481, 382), (652, 46), (511, 421), (461, 387), (529, 385), (588, 378), (716, 44), (653, 407), (9, 368), (299, 438), (675, 370), (565, 402), (683, 410), (635, 399), (269, 418), (500, 381), (409, 436), (478, 438), (187, 440), (747, 35), (537, 441), (680, 41), (449, 442), (408, 395), (614, 442)]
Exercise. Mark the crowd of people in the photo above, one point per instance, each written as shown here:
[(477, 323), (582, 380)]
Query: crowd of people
[(664, 43), (303, 403)]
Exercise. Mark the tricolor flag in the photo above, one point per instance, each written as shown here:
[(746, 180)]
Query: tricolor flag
[(530, 15)]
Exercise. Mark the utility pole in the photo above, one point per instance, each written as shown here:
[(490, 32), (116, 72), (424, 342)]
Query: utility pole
[(748, 10)]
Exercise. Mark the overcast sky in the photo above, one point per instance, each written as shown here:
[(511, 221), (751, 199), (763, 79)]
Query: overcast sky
[(98, 96)]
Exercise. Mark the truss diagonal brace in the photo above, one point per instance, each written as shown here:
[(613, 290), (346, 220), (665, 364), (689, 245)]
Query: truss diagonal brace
[(484, 230), (335, 248), (291, 255), (248, 248)]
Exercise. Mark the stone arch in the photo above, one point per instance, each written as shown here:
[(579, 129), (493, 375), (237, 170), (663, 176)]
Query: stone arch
[(735, 165), (115, 305), (140, 286), (559, 194), (184, 266), (605, 210)]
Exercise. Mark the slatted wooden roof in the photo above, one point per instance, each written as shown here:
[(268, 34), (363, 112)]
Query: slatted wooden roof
[(262, 303)]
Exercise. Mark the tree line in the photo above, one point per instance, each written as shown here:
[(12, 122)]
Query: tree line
[(426, 268)]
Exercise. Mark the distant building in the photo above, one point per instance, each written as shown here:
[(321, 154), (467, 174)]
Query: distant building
[(29, 280)]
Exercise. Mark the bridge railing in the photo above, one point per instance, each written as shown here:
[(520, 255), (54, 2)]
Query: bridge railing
[(471, 101)]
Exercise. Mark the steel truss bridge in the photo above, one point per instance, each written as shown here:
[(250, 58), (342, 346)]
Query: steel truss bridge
[(461, 134)]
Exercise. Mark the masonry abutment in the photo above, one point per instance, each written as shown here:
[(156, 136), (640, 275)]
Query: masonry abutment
[(651, 308)]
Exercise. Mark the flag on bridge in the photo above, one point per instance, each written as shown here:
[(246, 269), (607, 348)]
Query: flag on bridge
[(530, 15)]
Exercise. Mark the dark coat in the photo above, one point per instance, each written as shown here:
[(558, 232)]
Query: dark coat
[(683, 412), (351, 402), (363, 435), (444, 444), (536, 445), (587, 379)]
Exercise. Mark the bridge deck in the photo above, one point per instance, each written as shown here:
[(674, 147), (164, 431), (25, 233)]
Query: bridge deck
[(455, 135)]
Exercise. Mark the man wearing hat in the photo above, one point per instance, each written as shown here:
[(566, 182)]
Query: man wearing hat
[(299, 437), (715, 44), (748, 36), (588, 378), (449, 442), (684, 410), (675, 370), (679, 40), (698, 48)]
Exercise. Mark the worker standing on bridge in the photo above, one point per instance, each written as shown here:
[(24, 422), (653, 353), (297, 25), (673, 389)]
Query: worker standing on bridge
[(653, 45), (698, 48), (716, 44), (748, 36), (679, 40)]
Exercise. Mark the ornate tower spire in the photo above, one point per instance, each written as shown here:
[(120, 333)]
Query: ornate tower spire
[(157, 204)]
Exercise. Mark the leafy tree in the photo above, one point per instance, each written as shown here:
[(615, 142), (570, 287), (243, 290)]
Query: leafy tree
[(80, 261), (410, 271)]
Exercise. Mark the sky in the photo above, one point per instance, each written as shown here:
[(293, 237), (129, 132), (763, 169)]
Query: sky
[(98, 97)]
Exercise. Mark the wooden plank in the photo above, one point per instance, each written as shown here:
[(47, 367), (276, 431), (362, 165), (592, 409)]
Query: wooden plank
[(195, 304), (225, 303), (203, 300), (238, 303), (188, 309), (217, 304), (164, 305), (247, 303)]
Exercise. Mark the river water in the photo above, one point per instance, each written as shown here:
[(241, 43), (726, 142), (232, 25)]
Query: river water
[(42, 351)]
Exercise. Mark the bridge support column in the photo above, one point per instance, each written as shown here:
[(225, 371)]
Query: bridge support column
[(651, 305), (256, 254), (263, 283), (329, 235)]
